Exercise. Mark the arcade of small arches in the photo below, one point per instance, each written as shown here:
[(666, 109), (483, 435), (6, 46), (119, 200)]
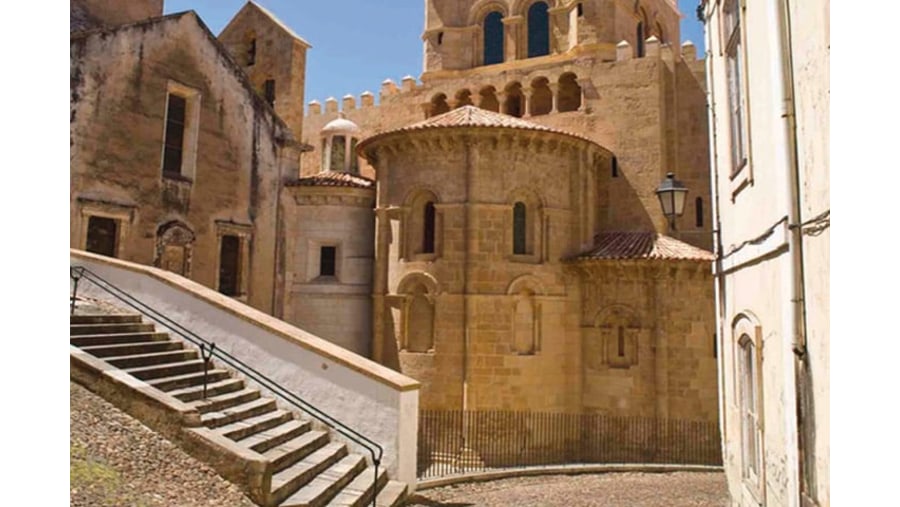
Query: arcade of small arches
[(541, 96)]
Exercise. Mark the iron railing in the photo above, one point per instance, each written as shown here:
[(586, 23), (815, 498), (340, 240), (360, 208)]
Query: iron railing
[(209, 350), (453, 441)]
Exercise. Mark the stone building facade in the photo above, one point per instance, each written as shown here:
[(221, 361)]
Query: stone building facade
[(496, 232), (768, 69)]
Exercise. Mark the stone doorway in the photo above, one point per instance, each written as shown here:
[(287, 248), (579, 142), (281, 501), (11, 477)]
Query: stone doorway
[(102, 233)]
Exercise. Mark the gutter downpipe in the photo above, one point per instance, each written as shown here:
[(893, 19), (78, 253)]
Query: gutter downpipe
[(717, 238), (796, 280)]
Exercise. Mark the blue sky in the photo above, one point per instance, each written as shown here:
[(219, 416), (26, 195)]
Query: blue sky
[(357, 44)]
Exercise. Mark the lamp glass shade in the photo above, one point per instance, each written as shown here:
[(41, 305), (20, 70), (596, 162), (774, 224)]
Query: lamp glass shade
[(672, 194)]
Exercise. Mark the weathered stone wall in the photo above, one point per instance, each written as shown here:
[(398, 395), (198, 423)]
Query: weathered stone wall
[(666, 312), (339, 308), (119, 91), (117, 12), (278, 55), (647, 111)]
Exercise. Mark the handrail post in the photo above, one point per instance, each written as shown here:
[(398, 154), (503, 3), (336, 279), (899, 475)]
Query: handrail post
[(206, 359), (75, 274)]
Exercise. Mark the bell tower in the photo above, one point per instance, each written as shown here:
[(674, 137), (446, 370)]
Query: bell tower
[(465, 34)]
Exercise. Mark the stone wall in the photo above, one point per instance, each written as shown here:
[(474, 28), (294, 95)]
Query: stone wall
[(120, 82)]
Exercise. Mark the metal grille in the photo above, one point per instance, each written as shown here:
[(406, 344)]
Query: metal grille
[(453, 442)]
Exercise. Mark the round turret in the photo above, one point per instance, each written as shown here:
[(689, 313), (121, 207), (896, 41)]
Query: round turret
[(339, 138)]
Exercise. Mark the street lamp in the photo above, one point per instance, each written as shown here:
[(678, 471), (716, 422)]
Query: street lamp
[(671, 193)]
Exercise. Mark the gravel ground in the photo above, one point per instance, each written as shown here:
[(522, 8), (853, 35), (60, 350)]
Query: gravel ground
[(116, 461), (679, 489)]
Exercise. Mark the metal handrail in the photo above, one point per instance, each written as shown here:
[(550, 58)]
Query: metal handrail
[(76, 273)]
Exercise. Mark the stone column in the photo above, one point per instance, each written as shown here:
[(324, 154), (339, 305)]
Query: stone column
[(526, 92), (583, 83), (512, 28), (554, 93), (501, 98)]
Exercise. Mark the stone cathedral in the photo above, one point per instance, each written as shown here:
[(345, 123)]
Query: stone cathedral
[(490, 228)]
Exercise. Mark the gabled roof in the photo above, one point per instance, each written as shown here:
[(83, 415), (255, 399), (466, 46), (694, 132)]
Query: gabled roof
[(643, 245), (265, 12), (475, 117), (237, 70), (333, 179)]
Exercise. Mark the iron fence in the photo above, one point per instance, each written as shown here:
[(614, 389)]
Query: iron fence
[(453, 441)]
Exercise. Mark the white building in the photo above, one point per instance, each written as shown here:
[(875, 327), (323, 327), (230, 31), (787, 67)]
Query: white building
[(769, 91)]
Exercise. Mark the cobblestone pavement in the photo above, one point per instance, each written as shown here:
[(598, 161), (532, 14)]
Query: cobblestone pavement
[(116, 461), (677, 489)]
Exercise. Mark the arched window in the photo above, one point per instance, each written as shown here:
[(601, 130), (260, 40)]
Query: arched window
[(640, 39), (493, 38), (422, 227), (621, 342), (538, 30), (520, 229), (419, 328), (439, 104), (489, 100), (428, 229), (569, 95), (541, 97), (338, 152), (698, 210), (514, 100), (463, 98)]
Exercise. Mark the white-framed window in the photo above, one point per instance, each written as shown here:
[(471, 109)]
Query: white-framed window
[(182, 122), (732, 18)]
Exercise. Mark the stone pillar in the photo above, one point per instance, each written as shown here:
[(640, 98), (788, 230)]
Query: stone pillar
[(554, 93), (512, 27), (408, 83), (367, 99), (688, 51), (315, 108), (583, 83), (652, 47), (526, 92), (559, 28), (501, 98), (349, 102)]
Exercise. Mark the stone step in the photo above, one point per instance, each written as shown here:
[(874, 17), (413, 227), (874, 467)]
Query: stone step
[(105, 318), (168, 370), (220, 402), (250, 426), (131, 349), (361, 489), (188, 394), (115, 327), (272, 437), (155, 358), (393, 494), (238, 412), (180, 381), (87, 340), (328, 483), (286, 454), (287, 481)]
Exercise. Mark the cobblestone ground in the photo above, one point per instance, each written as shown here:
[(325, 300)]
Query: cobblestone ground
[(679, 489), (116, 461)]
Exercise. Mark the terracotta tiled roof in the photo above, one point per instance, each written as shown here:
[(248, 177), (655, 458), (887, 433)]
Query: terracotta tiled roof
[(333, 179), (471, 116), (643, 245)]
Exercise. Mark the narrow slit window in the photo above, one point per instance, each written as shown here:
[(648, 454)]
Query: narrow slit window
[(174, 138), (251, 52), (580, 9), (327, 261), (621, 341), (428, 229), (698, 210), (615, 167), (269, 91), (520, 229)]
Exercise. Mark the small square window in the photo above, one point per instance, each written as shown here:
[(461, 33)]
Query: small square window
[(328, 261)]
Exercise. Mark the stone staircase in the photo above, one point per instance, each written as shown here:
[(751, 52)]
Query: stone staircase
[(308, 469)]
